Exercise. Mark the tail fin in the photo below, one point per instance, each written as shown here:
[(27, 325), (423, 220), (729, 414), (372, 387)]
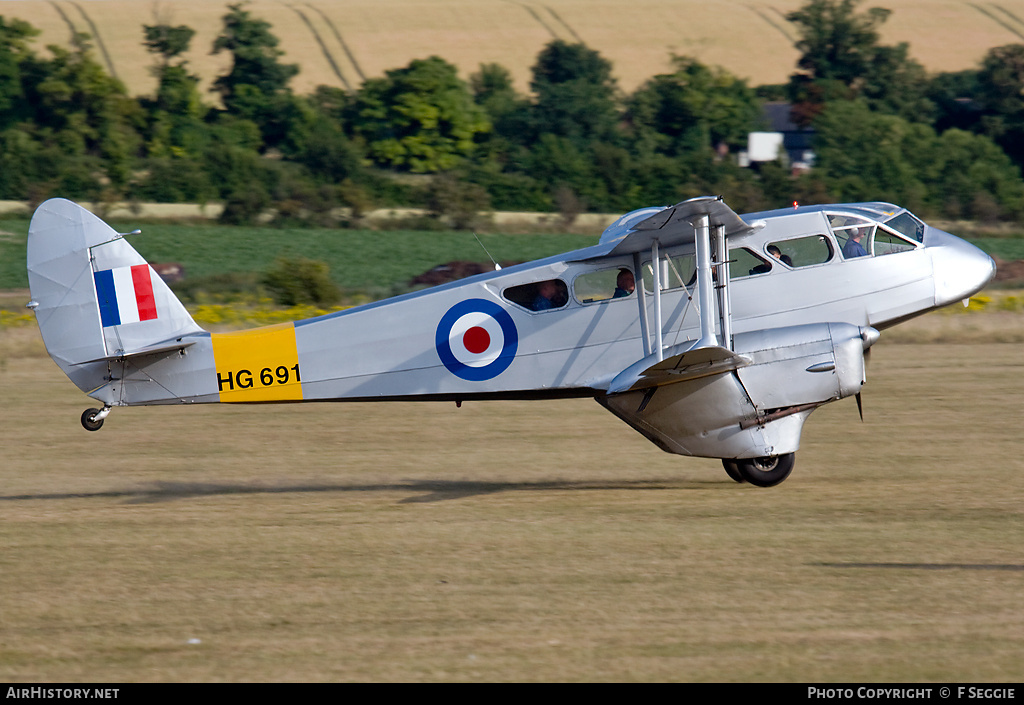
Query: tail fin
[(95, 298)]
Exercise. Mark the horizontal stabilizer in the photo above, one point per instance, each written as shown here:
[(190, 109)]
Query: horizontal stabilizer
[(680, 367), (158, 349)]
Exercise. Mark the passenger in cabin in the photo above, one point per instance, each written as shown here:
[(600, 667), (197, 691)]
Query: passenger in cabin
[(625, 284), (853, 248), (764, 267), (549, 295)]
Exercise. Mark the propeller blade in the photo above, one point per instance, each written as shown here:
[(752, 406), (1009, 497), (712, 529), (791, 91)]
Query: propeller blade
[(860, 407)]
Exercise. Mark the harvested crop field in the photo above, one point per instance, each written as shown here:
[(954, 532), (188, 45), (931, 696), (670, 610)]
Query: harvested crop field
[(341, 43)]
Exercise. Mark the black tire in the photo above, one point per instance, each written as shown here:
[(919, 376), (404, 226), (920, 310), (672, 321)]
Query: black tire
[(89, 422), (766, 472), (732, 469)]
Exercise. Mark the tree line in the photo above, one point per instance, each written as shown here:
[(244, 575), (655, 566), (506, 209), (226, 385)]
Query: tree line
[(947, 144)]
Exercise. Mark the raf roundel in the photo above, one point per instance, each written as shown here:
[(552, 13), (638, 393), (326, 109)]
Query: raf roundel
[(476, 340)]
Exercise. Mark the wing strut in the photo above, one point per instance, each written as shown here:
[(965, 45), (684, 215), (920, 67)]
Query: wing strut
[(721, 253), (659, 343), (705, 284), (641, 297)]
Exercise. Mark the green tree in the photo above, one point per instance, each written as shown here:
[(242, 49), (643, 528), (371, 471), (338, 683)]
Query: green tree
[(493, 90), (696, 107), (1000, 93), (256, 88), (81, 110), (836, 43), (14, 52), (324, 149), (560, 163), (420, 118), (897, 84), (954, 95), (509, 112), (176, 113), (973, 178), (240, 177), (864, 155), (167, 41), (576, 96), (841, 58)]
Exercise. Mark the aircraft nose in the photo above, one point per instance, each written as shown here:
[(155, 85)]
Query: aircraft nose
[(960, 269)]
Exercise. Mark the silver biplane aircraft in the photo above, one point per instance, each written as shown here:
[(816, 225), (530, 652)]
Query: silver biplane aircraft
[(713, 335)]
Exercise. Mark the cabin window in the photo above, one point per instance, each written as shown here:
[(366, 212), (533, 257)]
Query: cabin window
[(676, 272), (887, 243), (744, 263), (539, 296), (604, 285), (802, 251)]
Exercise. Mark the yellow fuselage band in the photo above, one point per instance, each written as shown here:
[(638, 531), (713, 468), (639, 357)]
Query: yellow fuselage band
[(258, 365)]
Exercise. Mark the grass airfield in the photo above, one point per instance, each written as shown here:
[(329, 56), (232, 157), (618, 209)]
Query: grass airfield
[(513, 541)]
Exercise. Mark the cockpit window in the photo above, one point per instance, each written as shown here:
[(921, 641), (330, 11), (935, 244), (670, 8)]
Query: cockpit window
[(855, 241), (839, 221), (603, 285), (539, 296), (886, 243), (853, 233), (908, 225), (860, 236), (802, 251)]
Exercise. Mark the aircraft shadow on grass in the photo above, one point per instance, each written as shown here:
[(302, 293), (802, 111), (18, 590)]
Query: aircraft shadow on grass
[(427, 490)]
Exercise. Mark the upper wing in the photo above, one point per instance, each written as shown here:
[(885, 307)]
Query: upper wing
[(636, 231)]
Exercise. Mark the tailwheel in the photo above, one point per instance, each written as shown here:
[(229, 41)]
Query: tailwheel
[(92, 419), (766, 472), (732, 469)]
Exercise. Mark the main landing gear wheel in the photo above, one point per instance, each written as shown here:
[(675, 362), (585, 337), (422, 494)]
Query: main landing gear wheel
[(92, 419), (766, 472), (732, 469)]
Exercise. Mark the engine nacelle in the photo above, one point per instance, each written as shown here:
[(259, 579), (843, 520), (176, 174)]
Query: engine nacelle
[(809, 364)]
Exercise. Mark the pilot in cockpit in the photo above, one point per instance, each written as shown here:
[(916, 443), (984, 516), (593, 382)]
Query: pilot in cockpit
[(853, 248)]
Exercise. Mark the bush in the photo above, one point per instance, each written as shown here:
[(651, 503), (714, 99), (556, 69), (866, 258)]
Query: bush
[(458, 201), (245, 205), (296, 281)]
